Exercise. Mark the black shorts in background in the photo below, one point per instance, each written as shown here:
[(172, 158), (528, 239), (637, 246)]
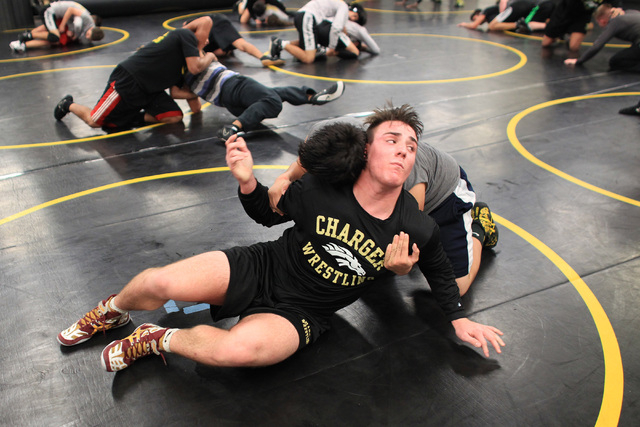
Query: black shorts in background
[(569, 16)]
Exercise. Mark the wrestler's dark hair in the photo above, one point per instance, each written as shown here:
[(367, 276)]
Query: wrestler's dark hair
[(97, 34), (405, 114), (259, 8), (334, 152), (474, 14), (361, 11), (97, 20)]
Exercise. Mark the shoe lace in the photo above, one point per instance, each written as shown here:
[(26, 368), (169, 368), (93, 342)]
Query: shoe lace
[(95, 318), (142, 344), (485, 220)]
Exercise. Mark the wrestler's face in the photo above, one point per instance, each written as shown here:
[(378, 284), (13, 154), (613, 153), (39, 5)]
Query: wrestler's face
[(392, 153), (353, 16)]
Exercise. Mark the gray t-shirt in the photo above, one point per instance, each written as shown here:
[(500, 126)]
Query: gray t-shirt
[(79, 25), (438, 170), (357, 32)]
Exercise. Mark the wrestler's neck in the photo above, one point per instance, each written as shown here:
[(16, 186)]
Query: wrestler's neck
[(377, 200)]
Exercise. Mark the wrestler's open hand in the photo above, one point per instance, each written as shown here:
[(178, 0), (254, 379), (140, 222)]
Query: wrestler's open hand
[(397, 257), (478, 335)]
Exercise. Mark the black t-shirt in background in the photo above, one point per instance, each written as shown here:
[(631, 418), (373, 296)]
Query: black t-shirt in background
[(161, 63)]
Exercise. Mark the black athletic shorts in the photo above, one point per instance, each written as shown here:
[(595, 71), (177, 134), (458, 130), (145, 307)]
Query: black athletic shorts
[(123, 101), (544, 12), (323, 33), (222, 34), (453, 216), (252, 280), (569, 16), (305, 23)]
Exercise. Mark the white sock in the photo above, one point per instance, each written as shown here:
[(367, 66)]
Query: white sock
[(167, 338), (112, 306), (284, 43)]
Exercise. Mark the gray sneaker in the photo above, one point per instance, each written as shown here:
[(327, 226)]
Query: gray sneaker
[(331, 93)]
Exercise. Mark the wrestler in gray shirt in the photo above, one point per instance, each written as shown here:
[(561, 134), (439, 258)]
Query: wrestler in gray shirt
[(625, 27), (438, 170)]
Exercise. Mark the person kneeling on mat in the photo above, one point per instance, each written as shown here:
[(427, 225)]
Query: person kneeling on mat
[(65, 22)]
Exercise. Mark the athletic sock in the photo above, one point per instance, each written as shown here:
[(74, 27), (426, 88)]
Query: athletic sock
[(478, 232), (112, 306), (284, 43), (166, 338)]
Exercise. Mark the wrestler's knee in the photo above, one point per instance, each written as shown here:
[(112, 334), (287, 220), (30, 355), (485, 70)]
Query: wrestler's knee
[(171, 119), (274, 106), (156, 281)]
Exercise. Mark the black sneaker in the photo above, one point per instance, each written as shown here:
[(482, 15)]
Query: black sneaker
[(227, 131), (268, 61), (275, 47), (481, 214), (25, 37), (329, 94), (321, 54), (522, 27), (345, 54), (631, 111), (62, 109)]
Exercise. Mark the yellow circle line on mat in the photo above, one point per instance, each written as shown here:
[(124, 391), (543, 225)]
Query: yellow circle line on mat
[(167, 24), (614, 377), (122, 184), (530, 37), (613, 373), (78, 140), (125, 35), (513, 138), (55, 70), (520, 64)]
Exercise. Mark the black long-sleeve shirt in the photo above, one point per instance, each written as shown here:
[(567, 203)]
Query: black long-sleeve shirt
[(335, 250)]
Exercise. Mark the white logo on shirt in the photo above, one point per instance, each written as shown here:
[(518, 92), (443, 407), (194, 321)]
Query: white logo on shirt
[(344, 258)]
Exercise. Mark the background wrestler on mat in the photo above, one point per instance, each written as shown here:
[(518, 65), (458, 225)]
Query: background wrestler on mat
[(64, 22), (136, 91), (571, 17), (617, 23), (250, 101), (522, 16), (319, 23), (224, 38), (259, 12)]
